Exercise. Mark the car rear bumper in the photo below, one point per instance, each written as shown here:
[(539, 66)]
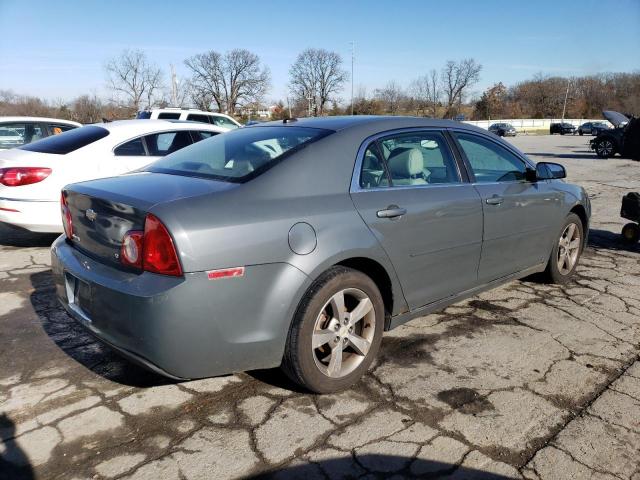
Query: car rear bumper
[(182, 327), (34, 215)]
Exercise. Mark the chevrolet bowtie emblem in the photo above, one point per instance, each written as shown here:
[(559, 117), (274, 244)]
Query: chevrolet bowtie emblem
[(90, 214)]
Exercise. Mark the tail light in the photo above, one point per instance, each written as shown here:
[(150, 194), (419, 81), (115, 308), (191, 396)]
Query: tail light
[(18, 176), (66, 217), (152, 250)]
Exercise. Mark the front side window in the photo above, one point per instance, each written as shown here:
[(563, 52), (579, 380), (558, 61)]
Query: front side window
[(161, 144), (489, 161), (420, 158), (68, 142), (239, 155), (58, 128), (132, 148), (223, 122)]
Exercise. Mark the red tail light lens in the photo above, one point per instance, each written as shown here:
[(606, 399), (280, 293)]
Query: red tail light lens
[(18, 176), (160, 254), (66, 217), (152, 250)]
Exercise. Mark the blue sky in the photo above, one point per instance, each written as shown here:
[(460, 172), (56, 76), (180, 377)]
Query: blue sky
[(58, 49)]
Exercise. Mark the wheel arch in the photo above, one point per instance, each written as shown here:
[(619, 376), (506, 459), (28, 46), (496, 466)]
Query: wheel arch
[(581, 212), (376, 272)]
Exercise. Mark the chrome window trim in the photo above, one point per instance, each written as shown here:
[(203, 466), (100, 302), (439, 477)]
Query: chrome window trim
[(355, 176)]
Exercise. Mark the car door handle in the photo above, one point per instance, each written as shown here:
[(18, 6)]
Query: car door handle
[(392, 211), (494, 200)]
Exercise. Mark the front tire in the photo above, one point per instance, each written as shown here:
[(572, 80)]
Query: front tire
[(566, 251), (336, 331)]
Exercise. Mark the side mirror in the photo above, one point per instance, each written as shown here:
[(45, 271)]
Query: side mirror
[(550, 171)]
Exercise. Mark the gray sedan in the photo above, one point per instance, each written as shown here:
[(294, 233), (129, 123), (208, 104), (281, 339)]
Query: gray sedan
[(297, 243)]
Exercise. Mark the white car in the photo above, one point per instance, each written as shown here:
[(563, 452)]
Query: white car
[(192, 115), (32, 176), (17, 131)]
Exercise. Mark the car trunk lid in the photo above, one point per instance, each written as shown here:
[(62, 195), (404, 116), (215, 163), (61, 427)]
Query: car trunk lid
[(102, 211)]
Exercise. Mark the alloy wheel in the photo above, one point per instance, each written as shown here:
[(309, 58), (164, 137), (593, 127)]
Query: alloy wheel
[(605, 148), (568, 248), (343, 333)]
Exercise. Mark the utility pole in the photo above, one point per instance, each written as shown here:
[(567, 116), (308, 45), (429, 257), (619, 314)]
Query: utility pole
[(566, 95), (353, 54), (174, 87)]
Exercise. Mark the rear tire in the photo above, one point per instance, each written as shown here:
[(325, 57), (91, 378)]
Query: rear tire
[(580, 132), (331, 343), (566, 251), (631, 233)]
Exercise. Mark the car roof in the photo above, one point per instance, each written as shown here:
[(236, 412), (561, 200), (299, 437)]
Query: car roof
[(380, 122), (39, 119), (188, 110), (136, 127)]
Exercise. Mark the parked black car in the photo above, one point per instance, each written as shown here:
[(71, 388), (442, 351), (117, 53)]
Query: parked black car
[(592, 128), (624, 139), (503, 129), (562, 128)]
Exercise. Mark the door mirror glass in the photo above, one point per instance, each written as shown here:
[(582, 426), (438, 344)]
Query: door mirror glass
[(550, 171)]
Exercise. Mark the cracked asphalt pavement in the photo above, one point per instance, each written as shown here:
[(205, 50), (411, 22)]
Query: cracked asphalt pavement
[(526, 381)]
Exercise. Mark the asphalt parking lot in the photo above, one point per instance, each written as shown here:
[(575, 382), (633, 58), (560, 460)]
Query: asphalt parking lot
[(526, 381)]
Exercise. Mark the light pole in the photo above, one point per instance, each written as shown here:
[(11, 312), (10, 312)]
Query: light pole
[(566, 95), (353, 54)]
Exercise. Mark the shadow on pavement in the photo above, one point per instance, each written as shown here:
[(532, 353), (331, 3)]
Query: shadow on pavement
[(14, 463), (11, 236), (611, 241), (79, 344), (389, 466), (577, 155)]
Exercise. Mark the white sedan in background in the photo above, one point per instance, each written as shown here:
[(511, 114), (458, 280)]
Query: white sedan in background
[(32, 176)]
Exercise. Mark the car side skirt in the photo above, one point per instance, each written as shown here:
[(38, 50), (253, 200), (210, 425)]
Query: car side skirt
[(398, 320)]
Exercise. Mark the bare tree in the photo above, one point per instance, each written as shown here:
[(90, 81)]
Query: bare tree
[(134, 77), (391, 97), (230, 80), (87, 109), (427, 92), (317, 75), (457, 78)]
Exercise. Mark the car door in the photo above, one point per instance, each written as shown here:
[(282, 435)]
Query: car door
[(519, 214), (409, 190), (128, 156)]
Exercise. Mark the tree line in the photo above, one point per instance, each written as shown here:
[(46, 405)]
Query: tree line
[(237, 80)]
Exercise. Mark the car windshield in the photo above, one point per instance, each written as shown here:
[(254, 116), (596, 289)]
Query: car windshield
[(239, 155)]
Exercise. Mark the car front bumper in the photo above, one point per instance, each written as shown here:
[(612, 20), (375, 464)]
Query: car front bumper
[(182, 327), (33, 215)]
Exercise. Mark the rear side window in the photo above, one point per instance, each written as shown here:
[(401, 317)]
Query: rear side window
[(68, 142), (161, 144), (169, 116), (202, 135), (133, 148), (239, 155), (198, 118)]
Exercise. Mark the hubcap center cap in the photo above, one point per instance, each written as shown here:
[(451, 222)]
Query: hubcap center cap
[(344, 330)]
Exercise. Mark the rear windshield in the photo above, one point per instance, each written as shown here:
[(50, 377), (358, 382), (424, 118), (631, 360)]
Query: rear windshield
[(239, 155), (67, 142)]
